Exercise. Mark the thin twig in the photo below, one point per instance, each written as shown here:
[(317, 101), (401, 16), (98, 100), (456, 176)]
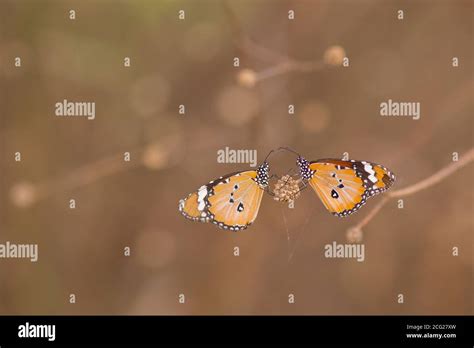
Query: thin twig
[(87, 174), (372, 213), (289, 66), (419, 186), (24, 194), (287, 231), (435, 178), (280, 63), (297, 238)]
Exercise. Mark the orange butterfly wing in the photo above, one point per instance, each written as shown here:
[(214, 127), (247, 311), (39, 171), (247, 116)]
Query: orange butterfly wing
[(235, 201), (189, 207), (344, 186), (231, 202)]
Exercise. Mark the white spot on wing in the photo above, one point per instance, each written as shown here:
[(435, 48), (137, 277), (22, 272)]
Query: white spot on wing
[(368, 169), (202, 193)]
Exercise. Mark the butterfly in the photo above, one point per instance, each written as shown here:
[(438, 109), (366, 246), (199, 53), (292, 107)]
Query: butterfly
[(231, 202), (345, 186)]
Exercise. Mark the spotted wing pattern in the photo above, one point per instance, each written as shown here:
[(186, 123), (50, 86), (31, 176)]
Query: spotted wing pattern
[(344, 186), (231, 202), (234, 202)]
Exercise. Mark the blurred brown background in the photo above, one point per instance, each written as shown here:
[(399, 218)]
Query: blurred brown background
[(190, 62)]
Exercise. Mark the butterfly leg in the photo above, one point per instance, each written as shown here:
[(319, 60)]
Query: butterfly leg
[(302, 182), (267, 190), (304, 185)]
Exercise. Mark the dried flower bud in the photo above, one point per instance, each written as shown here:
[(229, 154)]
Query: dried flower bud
[(286, 189), (247, 78), (23, 194), (354, 235), (155, 156), (334, 55)]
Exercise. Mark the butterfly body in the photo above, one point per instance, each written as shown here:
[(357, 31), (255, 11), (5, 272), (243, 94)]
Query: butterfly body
[(230, 202), (344, 186)]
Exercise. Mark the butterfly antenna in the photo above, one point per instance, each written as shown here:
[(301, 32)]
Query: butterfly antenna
[(272, 151), (289, 149)]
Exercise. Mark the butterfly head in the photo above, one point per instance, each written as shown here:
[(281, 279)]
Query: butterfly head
[(262, 174), (305, 171)]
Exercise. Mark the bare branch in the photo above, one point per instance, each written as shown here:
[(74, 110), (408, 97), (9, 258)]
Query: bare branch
[(435, 178), (354, 234), (280, 63), (154, 156)]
